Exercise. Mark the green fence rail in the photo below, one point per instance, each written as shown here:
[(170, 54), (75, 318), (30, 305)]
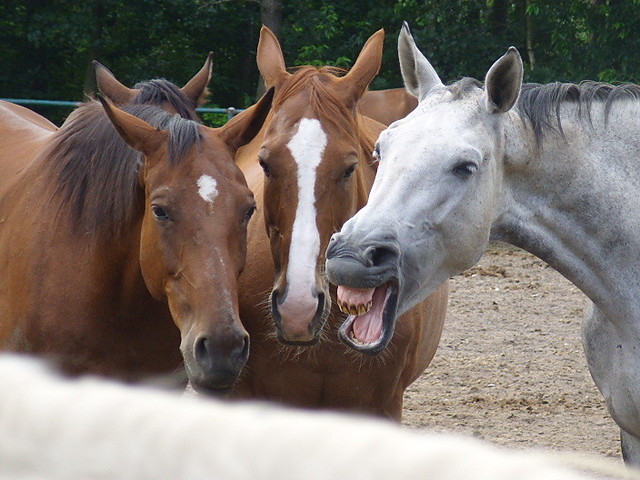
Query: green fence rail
[(231, 111)]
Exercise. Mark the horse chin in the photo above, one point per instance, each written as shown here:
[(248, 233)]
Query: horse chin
[(389, 316)]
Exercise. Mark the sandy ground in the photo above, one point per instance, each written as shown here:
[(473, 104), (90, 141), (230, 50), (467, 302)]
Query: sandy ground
[(510, 368)]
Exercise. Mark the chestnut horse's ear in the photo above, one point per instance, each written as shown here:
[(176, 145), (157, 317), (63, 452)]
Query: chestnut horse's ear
[(270, 59), (196, 88), (136, 132), (241, 129), (111, 88), (365, 68)]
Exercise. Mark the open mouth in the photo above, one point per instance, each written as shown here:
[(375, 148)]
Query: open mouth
[(371, 316)]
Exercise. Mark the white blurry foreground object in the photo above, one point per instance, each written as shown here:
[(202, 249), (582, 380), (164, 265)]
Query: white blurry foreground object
[(55, 428)]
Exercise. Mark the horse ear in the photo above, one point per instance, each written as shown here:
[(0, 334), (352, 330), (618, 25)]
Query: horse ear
[(110, 87), (136, 132), (366, 66), (270, 59), (196, 88), (503, 82), (417, 73), (242, 128)]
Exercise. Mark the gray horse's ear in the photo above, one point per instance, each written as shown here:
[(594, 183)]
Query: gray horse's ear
[(418, 74), (503, 82)]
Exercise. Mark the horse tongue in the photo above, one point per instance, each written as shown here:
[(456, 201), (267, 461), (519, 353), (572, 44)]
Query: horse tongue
[(367, 328)]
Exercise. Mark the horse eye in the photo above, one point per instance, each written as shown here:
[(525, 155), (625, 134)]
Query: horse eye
[(265, 168), (249, 214), (375, 155), (465, 169), (159, 212), (349, 171)]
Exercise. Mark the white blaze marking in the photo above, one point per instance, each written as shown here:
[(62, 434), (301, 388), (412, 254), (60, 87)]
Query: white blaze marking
[(207, 188), (306, 146)]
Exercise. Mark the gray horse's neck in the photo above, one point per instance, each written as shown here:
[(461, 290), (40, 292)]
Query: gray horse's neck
[(574, 202)]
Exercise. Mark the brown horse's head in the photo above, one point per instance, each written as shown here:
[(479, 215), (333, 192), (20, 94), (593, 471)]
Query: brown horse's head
[(160, 92), (315, 160), (193, 233)]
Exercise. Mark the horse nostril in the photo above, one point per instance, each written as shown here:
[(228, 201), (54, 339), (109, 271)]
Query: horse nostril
[(244, 349), (203, 354), (381, 256)]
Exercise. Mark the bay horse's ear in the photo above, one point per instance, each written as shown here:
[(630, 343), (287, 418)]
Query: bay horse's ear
[(417, 73), (503, 82), (110, 87), (136, 132), (196, 88), (241, 129), (270, 59), (365, 68)]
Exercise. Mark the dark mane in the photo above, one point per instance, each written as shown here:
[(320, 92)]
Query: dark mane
[(313, 81), (158, 91), (96, 172)]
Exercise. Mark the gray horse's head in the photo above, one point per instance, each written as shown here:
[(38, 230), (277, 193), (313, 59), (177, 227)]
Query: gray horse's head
[(436, 192)]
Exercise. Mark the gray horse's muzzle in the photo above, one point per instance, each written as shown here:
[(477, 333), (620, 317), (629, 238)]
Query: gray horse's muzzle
[(361, 264)]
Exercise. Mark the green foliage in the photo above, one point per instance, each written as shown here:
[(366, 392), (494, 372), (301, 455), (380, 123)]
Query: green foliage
[(46, 47)]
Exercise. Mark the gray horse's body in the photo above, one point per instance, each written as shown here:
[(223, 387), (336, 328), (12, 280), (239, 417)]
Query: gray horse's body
[(556, 173)]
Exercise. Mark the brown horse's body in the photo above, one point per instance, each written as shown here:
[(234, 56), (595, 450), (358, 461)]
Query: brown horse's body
[(320, 372), (387, 106), (126, 266), (23, 134)]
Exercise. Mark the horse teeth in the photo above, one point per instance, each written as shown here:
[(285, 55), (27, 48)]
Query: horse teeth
[(353, 310), (362, 309), (342, 307)]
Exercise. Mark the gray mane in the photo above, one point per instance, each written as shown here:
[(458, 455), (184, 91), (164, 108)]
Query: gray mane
[(541, 103), (96, 173)]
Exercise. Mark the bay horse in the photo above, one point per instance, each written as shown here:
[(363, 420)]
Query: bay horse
[(549, 168), (387, 106), (310, 169), (88, 428), (124, 264)]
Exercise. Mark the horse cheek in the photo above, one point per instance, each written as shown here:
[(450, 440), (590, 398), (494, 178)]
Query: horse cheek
[(152, 263)]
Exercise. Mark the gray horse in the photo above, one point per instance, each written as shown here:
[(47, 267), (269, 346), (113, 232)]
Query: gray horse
[(552, 169)]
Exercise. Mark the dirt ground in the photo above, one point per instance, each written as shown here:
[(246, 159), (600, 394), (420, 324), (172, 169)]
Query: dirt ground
[(510, 368)]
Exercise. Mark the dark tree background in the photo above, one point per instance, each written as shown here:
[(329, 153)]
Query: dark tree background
[(46, 48)]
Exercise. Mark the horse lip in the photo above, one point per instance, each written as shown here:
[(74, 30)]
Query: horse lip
[(317, 322), (389, 317), (211, 391)]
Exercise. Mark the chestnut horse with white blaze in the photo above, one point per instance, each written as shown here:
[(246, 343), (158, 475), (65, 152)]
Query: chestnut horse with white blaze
[(310, 169), (124, 263)]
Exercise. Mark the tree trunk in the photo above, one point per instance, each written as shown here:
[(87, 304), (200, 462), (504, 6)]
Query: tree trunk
[(271, 17), (529, 27)]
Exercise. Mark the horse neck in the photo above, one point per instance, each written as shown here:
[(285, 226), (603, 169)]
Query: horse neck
[(572, 201)]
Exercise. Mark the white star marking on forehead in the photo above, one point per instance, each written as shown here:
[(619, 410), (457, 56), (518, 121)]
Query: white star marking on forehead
[(207, 188)]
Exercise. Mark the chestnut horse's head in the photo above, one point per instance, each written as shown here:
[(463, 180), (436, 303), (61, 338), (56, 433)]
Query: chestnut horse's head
[(193, 232), (315, 158)]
